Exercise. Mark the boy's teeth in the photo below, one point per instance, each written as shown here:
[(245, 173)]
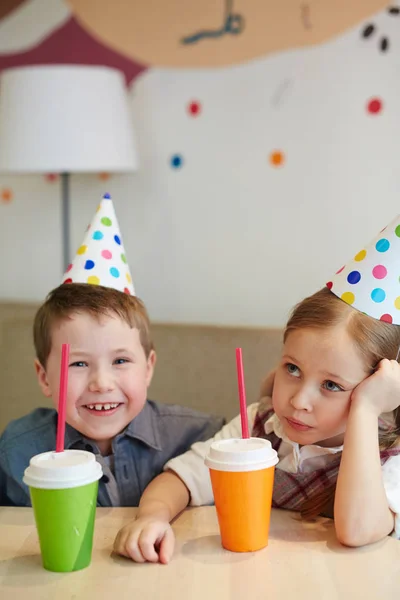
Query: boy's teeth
[(102, 406)]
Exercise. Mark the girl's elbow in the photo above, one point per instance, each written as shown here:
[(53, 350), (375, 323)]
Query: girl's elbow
[(354, 538)]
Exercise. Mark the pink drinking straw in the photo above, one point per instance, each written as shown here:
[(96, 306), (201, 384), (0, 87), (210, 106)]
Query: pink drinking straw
[(242, 394), (62, 398)]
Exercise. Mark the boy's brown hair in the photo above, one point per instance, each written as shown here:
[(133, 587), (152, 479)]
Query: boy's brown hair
[(96, 300)]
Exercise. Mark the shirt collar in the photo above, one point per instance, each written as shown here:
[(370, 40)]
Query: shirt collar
[(143, 427)]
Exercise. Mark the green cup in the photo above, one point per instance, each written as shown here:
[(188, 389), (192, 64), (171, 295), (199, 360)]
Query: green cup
[(63, 488)]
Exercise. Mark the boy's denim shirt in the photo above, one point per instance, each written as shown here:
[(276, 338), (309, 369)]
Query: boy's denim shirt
[(158, 433)]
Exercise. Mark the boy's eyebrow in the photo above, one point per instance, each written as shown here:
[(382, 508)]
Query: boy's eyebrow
[(84, 353)]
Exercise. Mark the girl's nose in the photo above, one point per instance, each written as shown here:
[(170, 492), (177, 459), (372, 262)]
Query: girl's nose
[(302, 399)]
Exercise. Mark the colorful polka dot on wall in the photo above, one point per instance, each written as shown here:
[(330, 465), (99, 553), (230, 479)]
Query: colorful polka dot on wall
[(6, 195), (101, 259), (176, 161), (277, 158), (194, 108), (104, 176), (374, 106), (51, 177)]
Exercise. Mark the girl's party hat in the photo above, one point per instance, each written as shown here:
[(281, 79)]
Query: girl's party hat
[(371, 280), (100, 260)]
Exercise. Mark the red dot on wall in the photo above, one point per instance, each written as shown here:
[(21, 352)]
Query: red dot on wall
[(374, 106), (194, 108), (51, 177)]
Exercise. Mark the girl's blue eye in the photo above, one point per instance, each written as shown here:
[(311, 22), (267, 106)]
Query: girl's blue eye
[(120, 361), (78, 363), (331, 386), (292, 369)]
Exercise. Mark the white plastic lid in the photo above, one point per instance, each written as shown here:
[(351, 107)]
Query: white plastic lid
[(61, 470), (237, 454)]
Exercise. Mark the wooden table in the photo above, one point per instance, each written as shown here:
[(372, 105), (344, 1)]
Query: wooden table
[(303, 560)]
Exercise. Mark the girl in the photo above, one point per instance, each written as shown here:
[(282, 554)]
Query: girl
[(336, 379)]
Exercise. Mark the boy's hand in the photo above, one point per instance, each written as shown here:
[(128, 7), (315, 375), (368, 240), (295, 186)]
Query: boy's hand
[(146, 539), (380, 392)]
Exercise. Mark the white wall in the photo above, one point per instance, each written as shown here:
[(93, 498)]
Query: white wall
[(227, 238)]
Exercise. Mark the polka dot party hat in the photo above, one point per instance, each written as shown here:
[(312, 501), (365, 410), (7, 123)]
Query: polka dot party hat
[(100, 260), (371, 280)]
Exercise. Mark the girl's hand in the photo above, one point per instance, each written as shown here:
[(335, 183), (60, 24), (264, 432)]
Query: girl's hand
[(146, 540), (380, 392), (267, 385)]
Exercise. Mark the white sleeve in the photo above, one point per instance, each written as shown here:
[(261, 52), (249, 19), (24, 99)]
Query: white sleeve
[(391, 482), (190, 466)]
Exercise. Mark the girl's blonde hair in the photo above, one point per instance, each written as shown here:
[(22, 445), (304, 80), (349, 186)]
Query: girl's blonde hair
[(374, 339)]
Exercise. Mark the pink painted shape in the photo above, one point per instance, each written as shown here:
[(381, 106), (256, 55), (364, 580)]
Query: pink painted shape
[(71, 44)]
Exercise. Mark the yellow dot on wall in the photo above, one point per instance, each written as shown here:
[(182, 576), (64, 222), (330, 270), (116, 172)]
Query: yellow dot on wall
[(397, 303), (361, 255), (82, 250), (128, 278), (277, 158), (93, 280), (348, 297)]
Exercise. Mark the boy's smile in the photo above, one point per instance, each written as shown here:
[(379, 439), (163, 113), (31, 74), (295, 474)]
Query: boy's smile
[(108, 375)]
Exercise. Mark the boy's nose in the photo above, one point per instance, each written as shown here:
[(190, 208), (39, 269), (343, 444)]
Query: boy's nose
[(101, 382)]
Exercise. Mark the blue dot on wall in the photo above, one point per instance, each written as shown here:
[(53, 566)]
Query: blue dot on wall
[(176, 161)]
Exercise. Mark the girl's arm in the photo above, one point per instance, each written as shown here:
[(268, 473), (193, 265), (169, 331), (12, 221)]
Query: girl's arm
[(361, 511), (150, 537), (164, 498)]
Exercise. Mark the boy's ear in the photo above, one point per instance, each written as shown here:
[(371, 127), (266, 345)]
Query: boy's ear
[(42, 379), (151, 363)]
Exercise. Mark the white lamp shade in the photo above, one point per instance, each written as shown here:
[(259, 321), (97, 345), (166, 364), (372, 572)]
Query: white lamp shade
[(65, 118)]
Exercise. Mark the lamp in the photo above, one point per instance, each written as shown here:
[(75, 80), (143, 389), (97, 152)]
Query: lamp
[(63, 119)]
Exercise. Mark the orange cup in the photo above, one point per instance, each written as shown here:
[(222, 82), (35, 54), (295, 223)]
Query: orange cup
[(242, 478)]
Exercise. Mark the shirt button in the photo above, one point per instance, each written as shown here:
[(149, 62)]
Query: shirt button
[(105, 479)]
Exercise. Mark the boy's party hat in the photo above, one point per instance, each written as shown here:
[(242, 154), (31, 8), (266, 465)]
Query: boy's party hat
[(370, 282), (100, 260)]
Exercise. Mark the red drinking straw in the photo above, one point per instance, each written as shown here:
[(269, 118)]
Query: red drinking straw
[(62, 398), (242, 394)]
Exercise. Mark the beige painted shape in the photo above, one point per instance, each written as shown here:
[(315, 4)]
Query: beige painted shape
[(149, 31)]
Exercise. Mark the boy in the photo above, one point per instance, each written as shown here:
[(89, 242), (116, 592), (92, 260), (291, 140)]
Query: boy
[(110, 368)]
